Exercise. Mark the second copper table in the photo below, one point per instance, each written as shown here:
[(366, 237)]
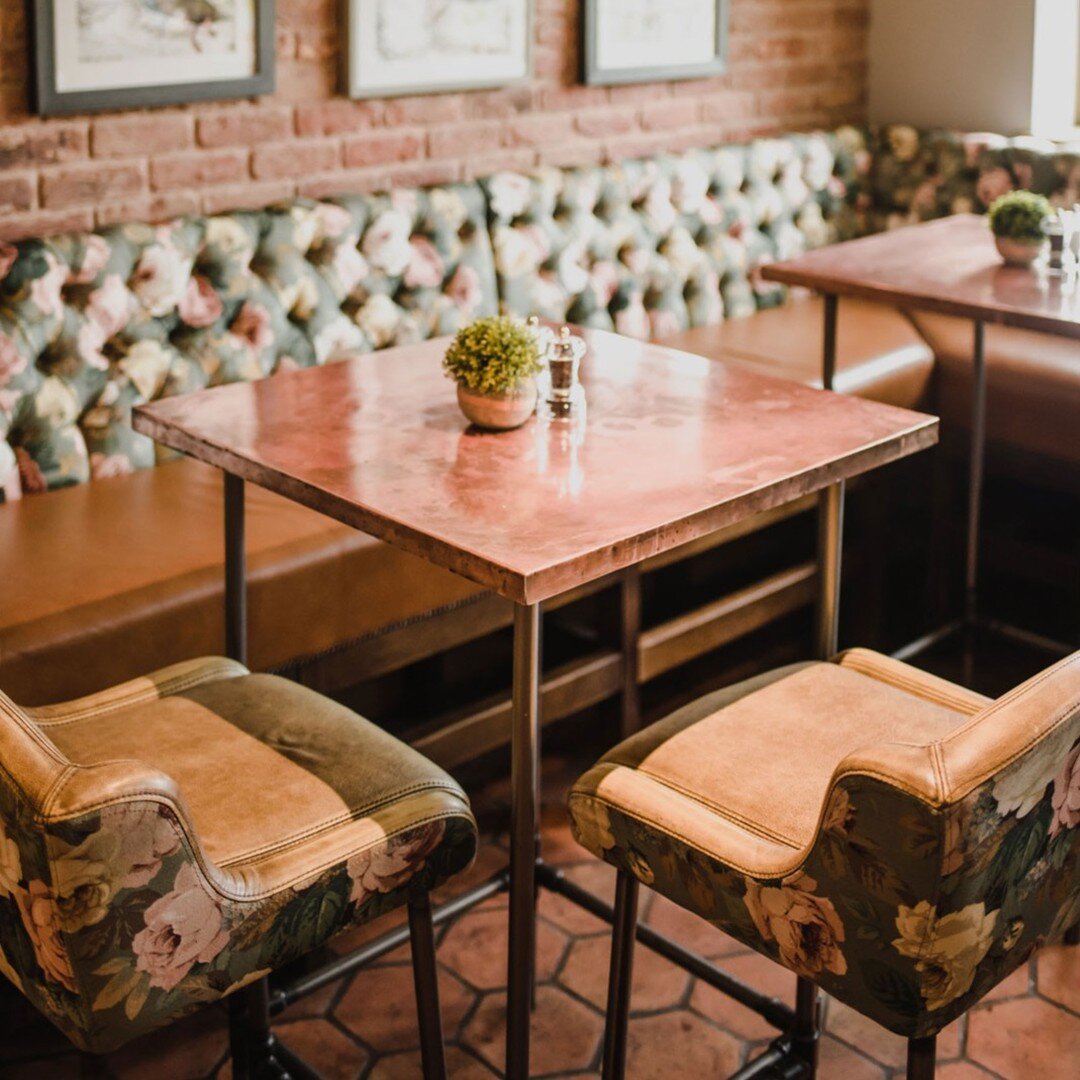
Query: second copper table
[(674, 447)]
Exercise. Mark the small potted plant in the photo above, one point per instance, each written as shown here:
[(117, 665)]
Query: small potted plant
[(1016, 220), (495, 362)]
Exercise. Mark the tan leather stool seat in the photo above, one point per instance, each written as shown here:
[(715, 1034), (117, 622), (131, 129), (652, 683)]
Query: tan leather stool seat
[(279, 782), (880, 355), (154, 596), (742, 774)]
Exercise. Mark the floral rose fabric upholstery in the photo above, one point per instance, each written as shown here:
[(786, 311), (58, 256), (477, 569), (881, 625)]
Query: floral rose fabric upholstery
[(131, 895), (651, 247), (906, 896), (904, 175), (92, 324)]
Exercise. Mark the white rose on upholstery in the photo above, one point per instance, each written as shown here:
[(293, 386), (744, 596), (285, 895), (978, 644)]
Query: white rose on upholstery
[(147, 365), (806, 927), (333, 221), (947, 949), (386, 243), (56, 402), (426, 268), (109, 306), (230, 238), (95, 256), (448, 207), (306, 226), (818, 163), (509, 195), (1066, 796), (161, 278), (520, 250), (572, 273), (689, 186), (86, 878), (10, 864), (338, 339), (379, 318), (633, 320), (46, 290), (306, 299), (1021, 786), (681, 252), (106, 466), (350, 266), (12, 362), (659, 211)]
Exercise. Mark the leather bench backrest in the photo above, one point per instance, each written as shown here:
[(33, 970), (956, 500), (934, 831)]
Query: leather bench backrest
[(92, 324)]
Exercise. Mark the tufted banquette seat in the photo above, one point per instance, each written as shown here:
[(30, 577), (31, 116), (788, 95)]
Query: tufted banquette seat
[(106, 578)]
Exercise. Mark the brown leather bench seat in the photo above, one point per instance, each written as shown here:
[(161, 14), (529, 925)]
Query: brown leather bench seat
[(103, 581), (880, 355), (1032, 385)]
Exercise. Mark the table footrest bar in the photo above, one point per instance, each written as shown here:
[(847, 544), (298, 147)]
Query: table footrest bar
[(282, 997), (928, 641), (773, 1011), (778, 1062), (1026, 637), (291, 1067)]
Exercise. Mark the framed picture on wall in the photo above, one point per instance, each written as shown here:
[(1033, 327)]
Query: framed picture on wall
[(426, 46), (626, 41), (121, 54)]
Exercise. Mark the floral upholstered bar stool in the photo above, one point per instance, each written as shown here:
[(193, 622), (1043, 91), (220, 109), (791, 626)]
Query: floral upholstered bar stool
[(894, 839), (178, 838)]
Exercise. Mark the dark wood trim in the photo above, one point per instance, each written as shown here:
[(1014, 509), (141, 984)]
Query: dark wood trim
[(688, 636)]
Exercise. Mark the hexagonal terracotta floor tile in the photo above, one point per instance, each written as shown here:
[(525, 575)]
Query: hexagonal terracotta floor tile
[(475, 948), (962, 1070), (757, 971), (565, 1033), (873, 1040), (840, 1061), (459, 1065), (1058, 976), (191, 1047), (657, 1043), (380, 1007), (324, 1047), (690, 931), (1024, 1038), (658, 984)]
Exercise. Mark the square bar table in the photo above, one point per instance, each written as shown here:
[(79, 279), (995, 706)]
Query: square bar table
[(674, 447), (950, 266)]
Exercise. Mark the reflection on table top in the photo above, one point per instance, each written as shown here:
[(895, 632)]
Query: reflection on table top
[(673, 447)]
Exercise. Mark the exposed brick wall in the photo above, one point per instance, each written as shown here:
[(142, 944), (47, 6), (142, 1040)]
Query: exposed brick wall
[(794, 64)]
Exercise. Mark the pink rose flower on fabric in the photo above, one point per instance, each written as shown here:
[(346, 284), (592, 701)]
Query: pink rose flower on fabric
[(105, 466), (41, 918), (95, 256), (8, 254), (1065, 798), (386, 866), (426, 268), (252, 324), (31, 478), (200, 305), (183, 928), (806, 927), (45, 291), (465, 290), (108, 306), (11, 360)]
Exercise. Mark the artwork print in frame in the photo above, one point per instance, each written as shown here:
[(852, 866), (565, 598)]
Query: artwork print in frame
[(120, 54), (627, 41), (424, 46)]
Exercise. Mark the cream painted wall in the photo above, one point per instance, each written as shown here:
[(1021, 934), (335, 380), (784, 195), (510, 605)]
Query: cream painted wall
[(953, 63)]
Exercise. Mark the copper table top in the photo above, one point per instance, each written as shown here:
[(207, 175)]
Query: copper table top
[(950, 265), (674, 447)]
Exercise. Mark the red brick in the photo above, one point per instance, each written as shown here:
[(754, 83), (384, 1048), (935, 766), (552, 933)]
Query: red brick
[(317, 44), (139, 134), (339, 116), (382, 147), (734, 105), (436, 109), (244, 125), (45, 223), (519, 159), (298, 157), (306, 80), (17, 192), (455, 140), (604, 123), (666, 115), (198, 168), (43, 144), (94, 182), (575, 154), (490, 104), (347, 182), (424, 173), (250, 196), (152, 208), (540, 129)]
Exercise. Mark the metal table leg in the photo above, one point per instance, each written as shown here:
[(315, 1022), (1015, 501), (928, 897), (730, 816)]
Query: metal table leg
[(629, 633), (975, 489), (828, 365), (830, 544), (525, 818), (235, 571)]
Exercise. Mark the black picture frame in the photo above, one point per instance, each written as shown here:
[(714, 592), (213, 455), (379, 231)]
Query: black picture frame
[(593, 75), (49, 101)]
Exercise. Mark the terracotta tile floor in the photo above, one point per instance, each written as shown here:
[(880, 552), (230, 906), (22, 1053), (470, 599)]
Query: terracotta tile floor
[(365, 1026)]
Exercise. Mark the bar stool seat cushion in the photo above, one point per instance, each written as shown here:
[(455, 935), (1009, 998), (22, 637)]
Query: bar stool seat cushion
[(201, 827), (742, 774)]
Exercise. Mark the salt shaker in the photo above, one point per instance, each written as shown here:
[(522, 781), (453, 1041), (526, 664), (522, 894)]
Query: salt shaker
[(566, 397)]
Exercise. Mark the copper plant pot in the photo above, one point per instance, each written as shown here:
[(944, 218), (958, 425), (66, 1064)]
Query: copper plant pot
[(1018, 252), (499, 412)]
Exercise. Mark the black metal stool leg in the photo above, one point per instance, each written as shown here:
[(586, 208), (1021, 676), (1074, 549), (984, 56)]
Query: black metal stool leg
[(251, 1041), (620, 976), (426, 979), (921, 1058), (805, 1038)]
